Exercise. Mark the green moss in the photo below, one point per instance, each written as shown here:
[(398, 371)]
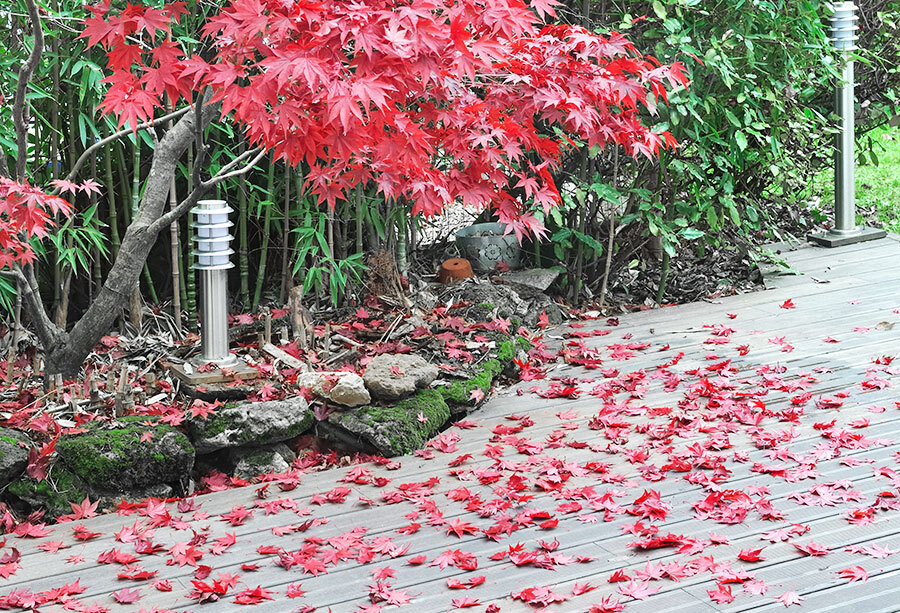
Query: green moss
[(116, 457), (400, 429), (523, 343), (460, 392), (487, 305), (10, 440), (53, 494)]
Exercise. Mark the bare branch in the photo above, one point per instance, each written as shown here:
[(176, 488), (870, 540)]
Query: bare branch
[(227, 167), (27, 286), (100, 143), (20, 111), (204, 186)]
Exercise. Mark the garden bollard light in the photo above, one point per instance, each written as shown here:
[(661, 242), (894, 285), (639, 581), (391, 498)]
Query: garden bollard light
[(213, 261), (845, 231)]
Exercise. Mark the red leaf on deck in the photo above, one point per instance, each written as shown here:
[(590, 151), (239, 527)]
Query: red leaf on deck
[(751, 555), (722, 594), (464, 603), (126, 596), (638, 589), (789, 598), (854, 573), (812, 549)]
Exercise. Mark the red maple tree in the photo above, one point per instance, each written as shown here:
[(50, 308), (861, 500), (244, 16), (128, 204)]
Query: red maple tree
[(435, 100), (432, 101)]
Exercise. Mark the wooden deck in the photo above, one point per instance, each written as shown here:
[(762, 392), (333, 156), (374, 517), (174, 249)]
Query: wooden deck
[(675, 413)]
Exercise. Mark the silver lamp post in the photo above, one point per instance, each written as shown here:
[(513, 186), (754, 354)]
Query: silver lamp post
[(213, 261), (845, 230)]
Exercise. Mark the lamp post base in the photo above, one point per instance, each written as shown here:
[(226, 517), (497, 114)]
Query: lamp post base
[(189, 374), (833, 238)]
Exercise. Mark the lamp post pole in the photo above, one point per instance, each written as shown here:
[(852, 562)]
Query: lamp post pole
[(845, 231), (213, 261)]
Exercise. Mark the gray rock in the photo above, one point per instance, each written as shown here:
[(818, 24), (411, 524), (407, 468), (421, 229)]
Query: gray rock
[(250, 462), (535, 278), (390, 431), (251, 424), (343, 388), (118, 456), (384, 382), (13, 455)]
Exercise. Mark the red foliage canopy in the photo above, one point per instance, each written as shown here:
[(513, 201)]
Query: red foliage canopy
[(434, 100)]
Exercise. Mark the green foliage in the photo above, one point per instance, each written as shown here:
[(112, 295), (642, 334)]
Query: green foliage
[(77, 239), (754, 122), (314, 256)]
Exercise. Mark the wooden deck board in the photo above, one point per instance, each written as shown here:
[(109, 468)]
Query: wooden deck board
[(866, 274)]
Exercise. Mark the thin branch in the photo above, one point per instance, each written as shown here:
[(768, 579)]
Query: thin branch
[(203, 187), (46, 330), (20, 111), (227, 167), (100, 143)]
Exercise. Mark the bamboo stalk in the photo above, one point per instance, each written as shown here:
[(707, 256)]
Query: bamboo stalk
[(285, 235), (612, 229), (359, 218), (135, 307), (190, 279), (111, 202), (97, 273), (54, 157), (13, 347), (267, 219), (175, 250), (243, 260)]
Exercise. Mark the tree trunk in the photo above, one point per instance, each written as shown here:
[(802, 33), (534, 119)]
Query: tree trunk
[(65, 352)]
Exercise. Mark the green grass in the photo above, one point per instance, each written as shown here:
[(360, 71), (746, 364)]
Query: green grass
[(877, 184)]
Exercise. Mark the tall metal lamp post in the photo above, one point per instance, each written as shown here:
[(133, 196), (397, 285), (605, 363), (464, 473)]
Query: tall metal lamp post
[(213, 261), (845, 230)]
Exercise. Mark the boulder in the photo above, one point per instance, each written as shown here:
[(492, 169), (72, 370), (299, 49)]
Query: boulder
[(54, 493), (390, 431), (251, 424), (63, 487), (14, 447), (119, 455), (343, 388), (393, 376), (250, 462)]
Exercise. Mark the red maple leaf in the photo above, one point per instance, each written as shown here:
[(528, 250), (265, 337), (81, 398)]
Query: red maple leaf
[(751, 555), (790, 598), (854, 573), (812, 549), (253, 596), (126, 596), (722, 594)]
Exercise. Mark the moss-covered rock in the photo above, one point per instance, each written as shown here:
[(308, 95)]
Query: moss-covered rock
[(114, 456), (251, 424), (53, 494), (62, 488), (392, 431), (14, 447), (459, 392)]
